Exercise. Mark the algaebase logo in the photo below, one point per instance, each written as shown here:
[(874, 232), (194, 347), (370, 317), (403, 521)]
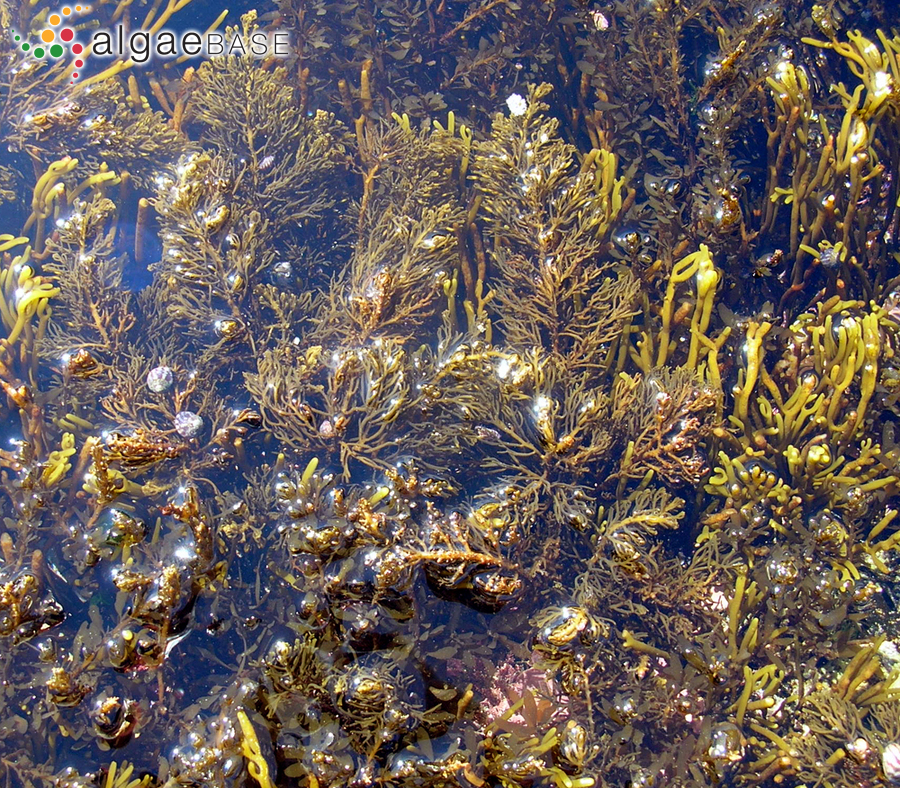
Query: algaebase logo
[(57, 37), (137, 46)]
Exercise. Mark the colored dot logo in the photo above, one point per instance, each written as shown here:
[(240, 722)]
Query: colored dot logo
[(56, 37)]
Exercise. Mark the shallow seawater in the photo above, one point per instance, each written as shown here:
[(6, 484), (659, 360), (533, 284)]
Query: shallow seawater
[(449, 394)]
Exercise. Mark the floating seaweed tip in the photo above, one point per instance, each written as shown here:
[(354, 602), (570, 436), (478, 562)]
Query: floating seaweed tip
[(121, 778)]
